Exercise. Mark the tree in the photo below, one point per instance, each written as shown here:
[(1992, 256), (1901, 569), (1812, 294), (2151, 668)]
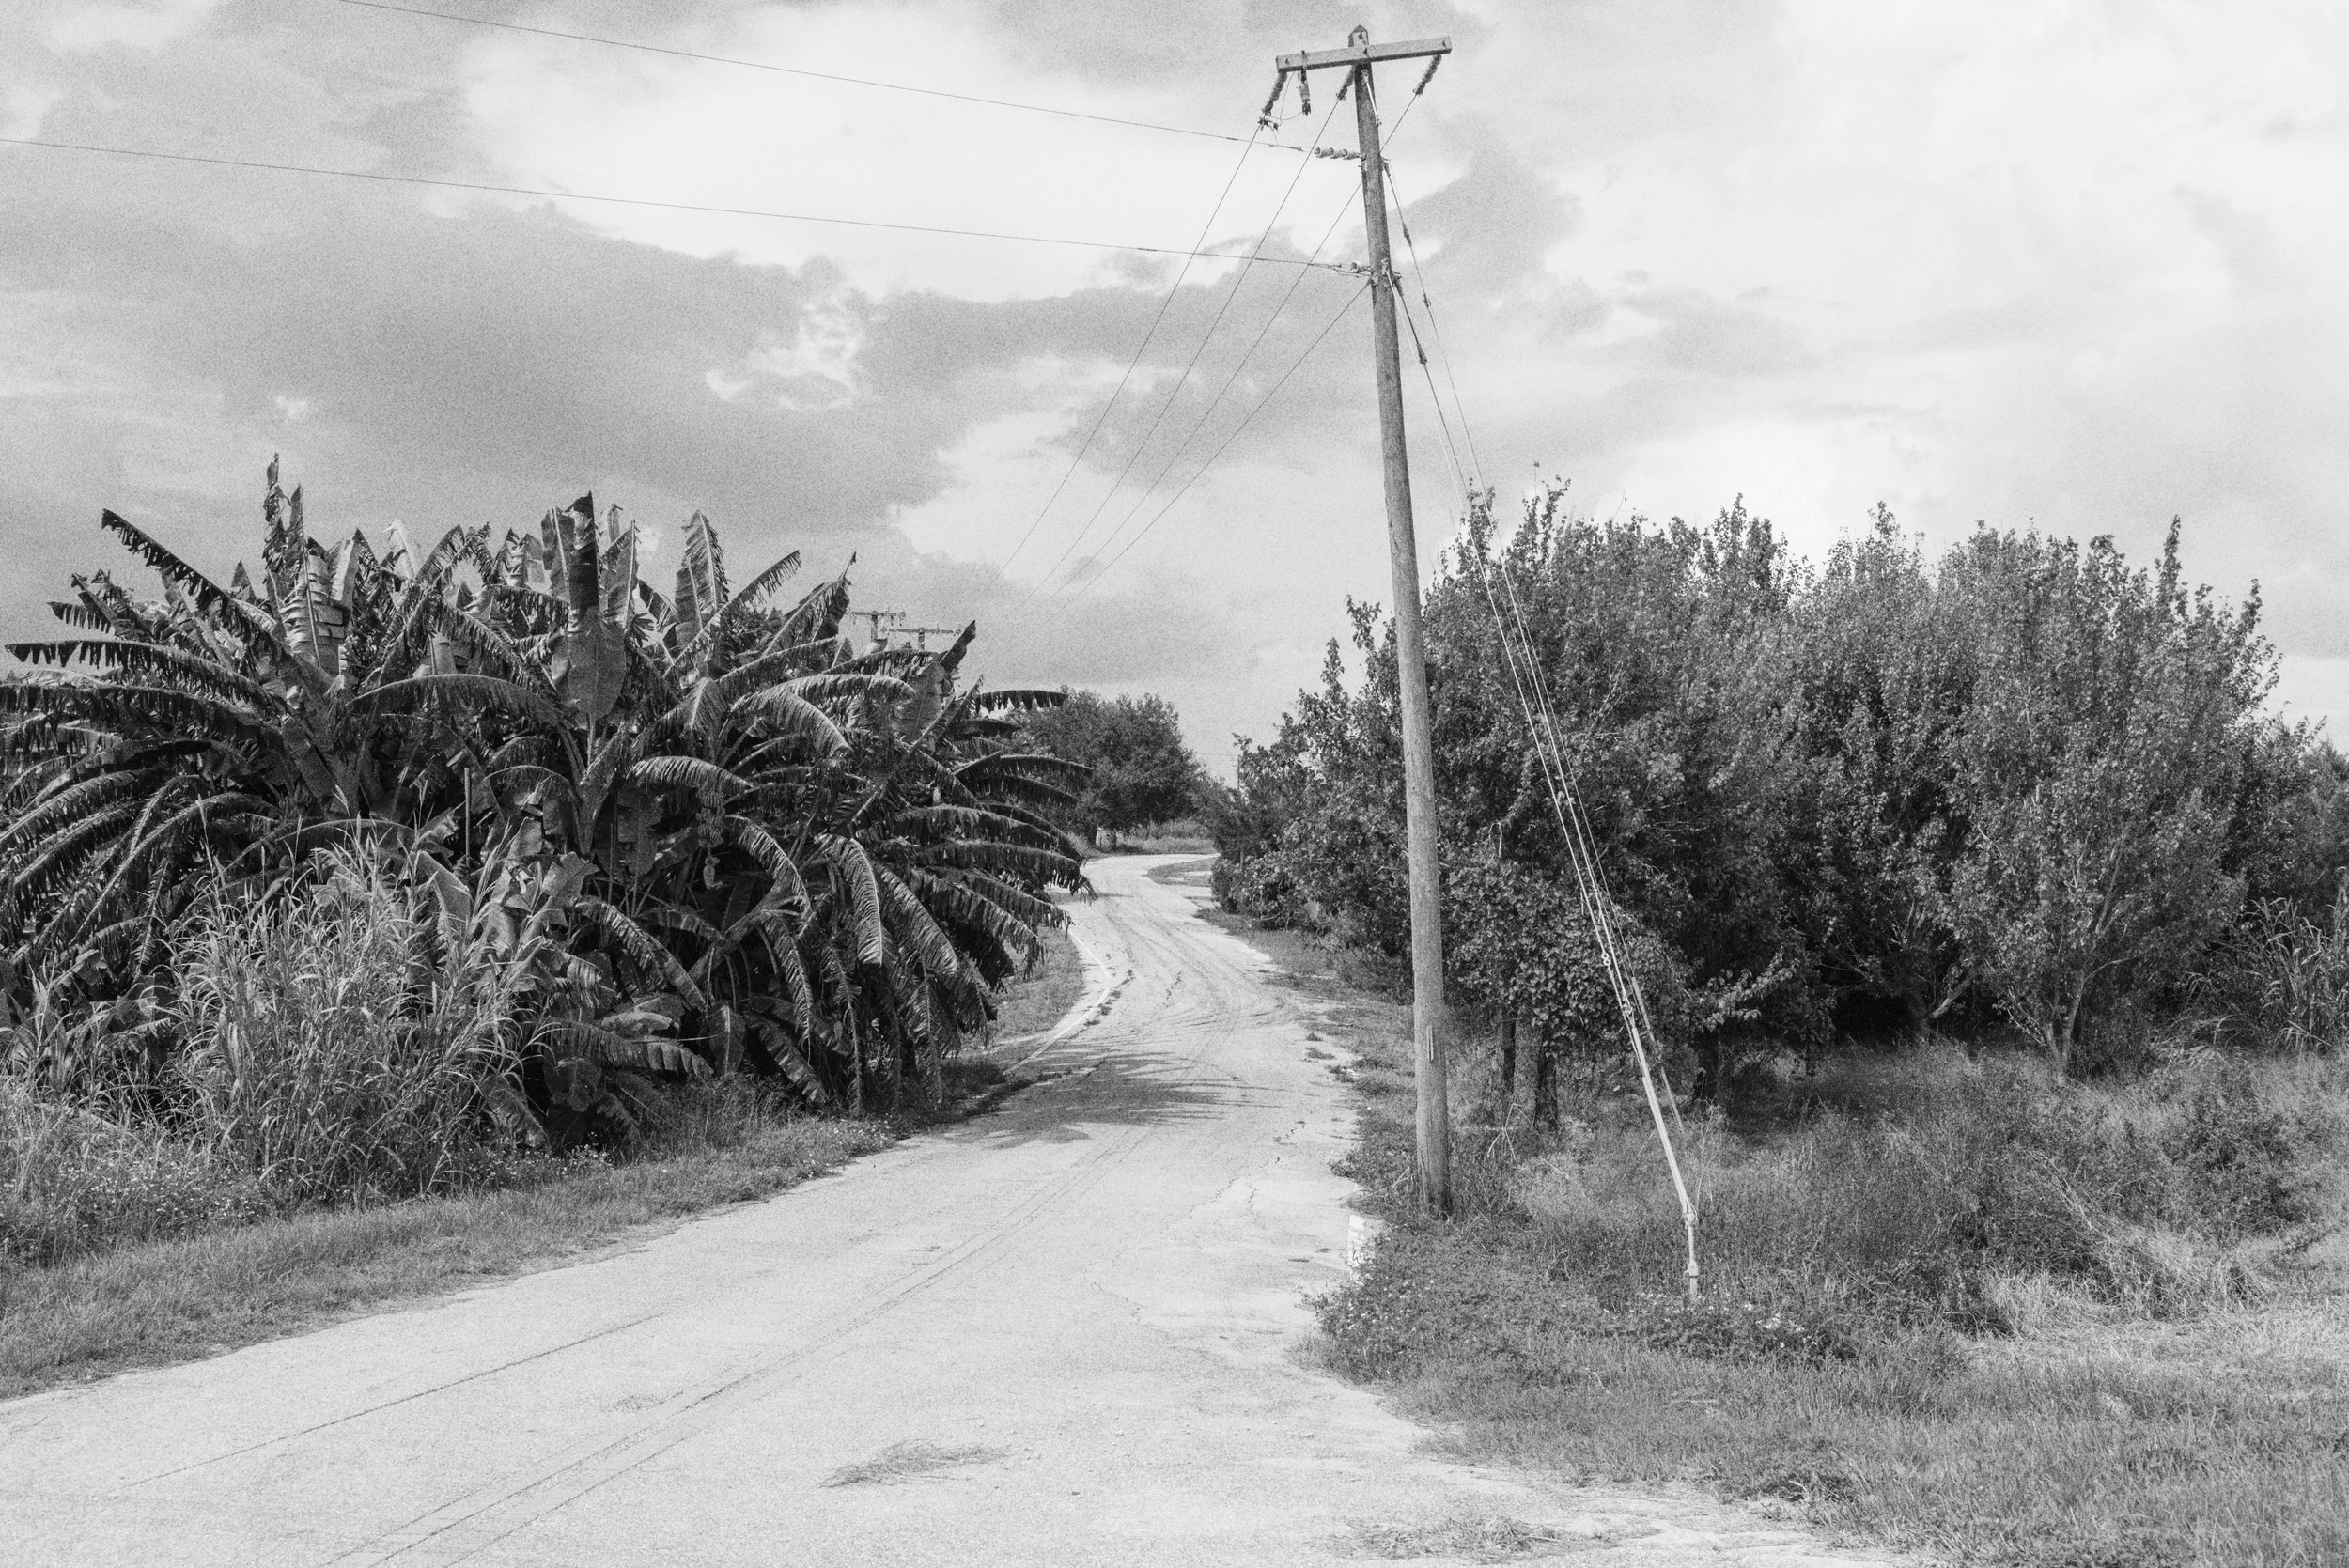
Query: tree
[(1662, 651), (1884, 670), (2102, 766), (1139, 771), (1520, 948)]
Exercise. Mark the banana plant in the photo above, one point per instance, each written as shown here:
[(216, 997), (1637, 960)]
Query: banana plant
[(212, 726), (697, 831)]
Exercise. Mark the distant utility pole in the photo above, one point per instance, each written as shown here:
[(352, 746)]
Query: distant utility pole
[(1428, 1023), (875, 621), (884, 626), (921, 634)]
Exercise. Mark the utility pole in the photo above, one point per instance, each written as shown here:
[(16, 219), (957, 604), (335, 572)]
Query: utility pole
[(886, 626), (921, 634), (1429, 1024), (878, 625)]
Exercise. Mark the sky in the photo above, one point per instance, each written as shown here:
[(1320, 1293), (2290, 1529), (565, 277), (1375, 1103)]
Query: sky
[(2060, 265)]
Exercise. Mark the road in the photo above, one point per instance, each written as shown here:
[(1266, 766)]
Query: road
[(1067, 1332)]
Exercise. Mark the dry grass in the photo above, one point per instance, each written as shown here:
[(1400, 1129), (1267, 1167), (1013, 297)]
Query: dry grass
[(2007, 1325)]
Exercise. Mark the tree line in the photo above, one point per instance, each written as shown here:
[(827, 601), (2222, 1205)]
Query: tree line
[(2026, 789)]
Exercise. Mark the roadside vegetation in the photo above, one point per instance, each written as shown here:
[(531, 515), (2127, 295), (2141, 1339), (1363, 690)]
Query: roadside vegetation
[(384, 874), (1996, 934), (161, 1269), (1952, 1305)]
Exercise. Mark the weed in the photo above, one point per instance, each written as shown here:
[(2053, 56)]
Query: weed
[(142, 1303)]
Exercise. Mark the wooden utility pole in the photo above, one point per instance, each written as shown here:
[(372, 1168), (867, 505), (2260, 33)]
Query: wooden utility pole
[(1429, 1024)]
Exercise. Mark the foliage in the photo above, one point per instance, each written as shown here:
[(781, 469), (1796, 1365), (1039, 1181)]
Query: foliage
[(2105, 767), (1139, 772), (1519, 946), (2029, 788), (2282, 980), (676, 834)]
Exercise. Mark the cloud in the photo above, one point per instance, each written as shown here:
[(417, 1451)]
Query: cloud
[(84, 29), (26, 105), (2065, 270), (550, 113)]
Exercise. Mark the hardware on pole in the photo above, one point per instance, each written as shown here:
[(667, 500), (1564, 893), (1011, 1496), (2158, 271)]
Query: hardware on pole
[(921, 634), (879, 624), (1429, 1025)]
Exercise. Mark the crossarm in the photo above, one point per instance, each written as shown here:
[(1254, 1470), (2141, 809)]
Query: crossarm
[(1362, 53)]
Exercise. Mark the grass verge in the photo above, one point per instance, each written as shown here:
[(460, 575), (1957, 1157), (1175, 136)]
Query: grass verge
[(1036, 1002), (156, 1302), (2084, 1359)]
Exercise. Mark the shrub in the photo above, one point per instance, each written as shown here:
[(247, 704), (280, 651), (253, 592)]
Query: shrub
[(1264, 889), (2240, 1162)]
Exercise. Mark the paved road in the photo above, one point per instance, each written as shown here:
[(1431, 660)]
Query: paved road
[(1065, 1333)]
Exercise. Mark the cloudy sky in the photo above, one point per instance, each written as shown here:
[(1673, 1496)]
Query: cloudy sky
[(2066, 264)]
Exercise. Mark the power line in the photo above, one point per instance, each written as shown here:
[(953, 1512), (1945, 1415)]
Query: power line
[(1131, 365), (1442, 420), (630, 201), (1385, 141), (1274, 389), (1208, 412), (797, 71), (1435, 327), (1183, 379)]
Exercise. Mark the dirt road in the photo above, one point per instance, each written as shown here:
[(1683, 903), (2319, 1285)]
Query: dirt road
[(1065, 1333)]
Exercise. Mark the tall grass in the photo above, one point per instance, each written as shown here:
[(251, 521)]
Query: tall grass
[(330, 1049), (2283, 983), (1883, 1194)]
